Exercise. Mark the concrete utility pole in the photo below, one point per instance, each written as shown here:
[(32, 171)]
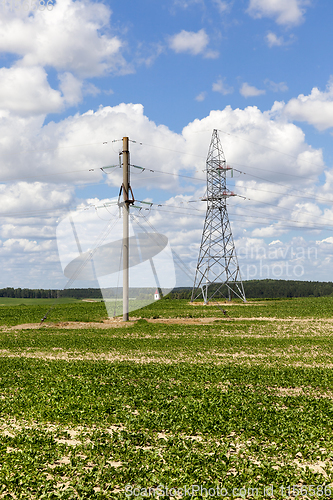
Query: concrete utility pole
[(126, 205)]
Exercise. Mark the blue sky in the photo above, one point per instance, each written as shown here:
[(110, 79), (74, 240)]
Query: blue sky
[(166, 74)]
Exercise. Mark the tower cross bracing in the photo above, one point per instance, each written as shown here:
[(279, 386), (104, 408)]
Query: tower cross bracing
[(217, 271)]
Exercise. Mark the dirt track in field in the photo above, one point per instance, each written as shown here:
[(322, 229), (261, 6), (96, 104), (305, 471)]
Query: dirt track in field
[(110, 323), (118, 323)]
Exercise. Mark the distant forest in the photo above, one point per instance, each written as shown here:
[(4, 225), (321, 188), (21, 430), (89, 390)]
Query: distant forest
[(260, 289), (26, 293), (271, 289)]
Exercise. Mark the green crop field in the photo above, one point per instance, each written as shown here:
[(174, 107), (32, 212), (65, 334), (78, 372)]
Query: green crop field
[(9, 301), (184, 401)]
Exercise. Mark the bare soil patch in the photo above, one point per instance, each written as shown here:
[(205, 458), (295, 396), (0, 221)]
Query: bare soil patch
[(227, 303), (110, 323), (300, 391), (185, 321), (89, 356), (72, 325), (217, 358), (119, 323)]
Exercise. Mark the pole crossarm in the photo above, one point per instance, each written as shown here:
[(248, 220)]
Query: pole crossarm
[(217, 271)]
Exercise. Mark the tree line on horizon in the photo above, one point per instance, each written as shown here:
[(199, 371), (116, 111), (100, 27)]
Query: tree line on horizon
[(39, 293), (256, 289), (268, 289)]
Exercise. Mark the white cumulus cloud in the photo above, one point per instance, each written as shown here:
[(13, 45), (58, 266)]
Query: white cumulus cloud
[(221, 87), (247, 90), (222, 5), (276, 87), (273, 40), (26, 91), (71, 88), (201, 97), (315, 108), (285, 12), (33, 197), (189, 41), (73, 37)]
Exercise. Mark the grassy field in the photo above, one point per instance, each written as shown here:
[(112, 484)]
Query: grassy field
[(9, 301), (235, 406)]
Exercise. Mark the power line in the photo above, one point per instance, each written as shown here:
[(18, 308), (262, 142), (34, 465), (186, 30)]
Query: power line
[(267, 147), (284, 220), (288, 194), (281, 208), (149, 145), (177, 175), (168, 149), (266, 170), (182, 210), (245, 187), (264, 221), (145, 169), (285, 185), (62, 172), (263, 218), (306, 195), (63, 147), (246, 140), (270, 216), (287, 226), (34, 213)]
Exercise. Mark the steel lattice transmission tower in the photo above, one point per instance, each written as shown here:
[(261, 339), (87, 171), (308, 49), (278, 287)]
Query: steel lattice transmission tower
[(217, 270)]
